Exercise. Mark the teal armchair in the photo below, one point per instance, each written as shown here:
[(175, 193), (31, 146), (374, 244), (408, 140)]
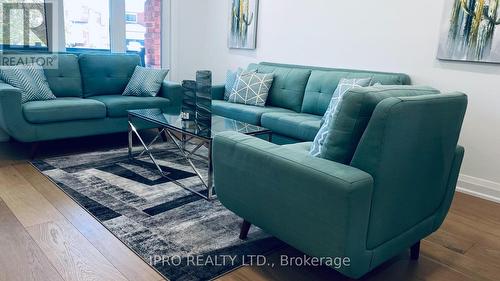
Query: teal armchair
[(396, 190)]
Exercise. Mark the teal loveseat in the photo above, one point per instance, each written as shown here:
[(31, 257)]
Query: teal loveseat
[(89, 101), (297, 99), (376, 196)]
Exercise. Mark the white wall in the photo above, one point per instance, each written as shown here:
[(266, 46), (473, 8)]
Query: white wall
[(386, 35)]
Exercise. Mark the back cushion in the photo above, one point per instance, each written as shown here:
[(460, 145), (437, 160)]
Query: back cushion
[(288, 86), (106, 74), (322, 85), (353, 114), (65, 80)]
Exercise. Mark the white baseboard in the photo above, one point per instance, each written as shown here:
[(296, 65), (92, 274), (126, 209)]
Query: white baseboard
[(481, 188)]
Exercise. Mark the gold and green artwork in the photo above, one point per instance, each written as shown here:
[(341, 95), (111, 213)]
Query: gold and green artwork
[(243, 31), (470, 31)]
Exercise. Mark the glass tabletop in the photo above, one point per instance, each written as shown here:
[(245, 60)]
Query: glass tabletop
[(204, 129)]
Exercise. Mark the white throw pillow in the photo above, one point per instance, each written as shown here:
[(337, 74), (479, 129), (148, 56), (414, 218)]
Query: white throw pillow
[(251, 88)]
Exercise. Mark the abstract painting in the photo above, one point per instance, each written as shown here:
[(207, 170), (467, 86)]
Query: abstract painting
[(243, 31), (469, 31)]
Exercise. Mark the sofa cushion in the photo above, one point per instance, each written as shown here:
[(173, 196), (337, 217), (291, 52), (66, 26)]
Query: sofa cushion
[(117, 106), (300, 126), (106, 74), (322, 85), (63, 109), (303, 147), (288, 86), (353, 114), (65, 80), (245, 113)]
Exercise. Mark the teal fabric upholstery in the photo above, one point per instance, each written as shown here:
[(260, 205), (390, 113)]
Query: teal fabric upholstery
[(300, 147), (65, 80), (307, 202), (13, 122), (218, 92), (284, 140), (63, 109), (302, 89), (354, 112), (117, 106), (322, 85), (245, 113), (424, 129), (106, 74), (70, 115), (397, 190), (174, 93), (288, 86), (300, 126)]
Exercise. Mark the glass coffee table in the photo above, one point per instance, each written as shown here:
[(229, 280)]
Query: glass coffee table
[(183, 132)]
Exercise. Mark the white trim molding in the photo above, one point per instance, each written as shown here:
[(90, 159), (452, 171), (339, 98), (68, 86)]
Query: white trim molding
[(117, 26), (166, 34), (478, 187)]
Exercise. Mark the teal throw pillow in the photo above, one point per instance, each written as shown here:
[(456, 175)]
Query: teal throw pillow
[(145, 82)]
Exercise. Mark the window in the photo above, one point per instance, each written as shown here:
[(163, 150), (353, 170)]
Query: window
[(131, 18), (86, 24), (143, 35), (12, 33)]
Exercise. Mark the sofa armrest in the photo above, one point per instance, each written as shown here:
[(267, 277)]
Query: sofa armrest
[(218, 92), (11, 114), (174, 93), (316, 205)]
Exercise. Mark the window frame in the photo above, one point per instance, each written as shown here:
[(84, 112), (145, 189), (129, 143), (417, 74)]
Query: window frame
[(56, 41), (87, 50)]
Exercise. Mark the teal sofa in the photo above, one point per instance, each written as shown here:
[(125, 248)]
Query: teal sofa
[(88, 88), (297, 99), (386, 186)]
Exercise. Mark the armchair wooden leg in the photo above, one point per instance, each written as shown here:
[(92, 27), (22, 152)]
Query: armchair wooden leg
[(245, 227), (415, 251)]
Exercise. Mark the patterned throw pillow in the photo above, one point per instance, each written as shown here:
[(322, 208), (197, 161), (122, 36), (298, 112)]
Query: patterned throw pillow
[(344, 86), (145, 82), (30, 79), (251, 88), (231, 77)]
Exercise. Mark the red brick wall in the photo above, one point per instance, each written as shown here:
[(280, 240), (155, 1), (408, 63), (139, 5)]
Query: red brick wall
[(152, 42)]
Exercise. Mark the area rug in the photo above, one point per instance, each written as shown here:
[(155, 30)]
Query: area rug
[(183, 236)]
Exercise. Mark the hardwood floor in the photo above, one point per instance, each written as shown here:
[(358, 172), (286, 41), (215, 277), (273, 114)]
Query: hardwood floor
[(44, 235)]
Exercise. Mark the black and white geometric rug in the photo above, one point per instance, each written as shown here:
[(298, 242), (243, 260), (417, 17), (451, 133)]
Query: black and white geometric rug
[(177, 232)]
